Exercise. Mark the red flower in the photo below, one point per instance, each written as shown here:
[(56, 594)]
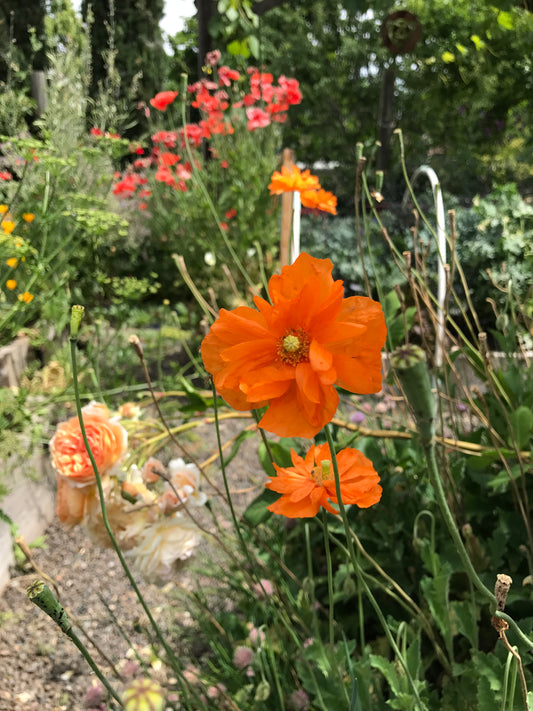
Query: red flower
[(167, 138), (168, 158), (163, 99), (5, 175), (96, 132), (310, 482), (257, 118), (290, 354), (227, 75), (230, 213)]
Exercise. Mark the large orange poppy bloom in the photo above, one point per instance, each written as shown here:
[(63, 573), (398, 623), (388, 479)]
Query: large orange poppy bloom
[(290, 354), (310, 483)]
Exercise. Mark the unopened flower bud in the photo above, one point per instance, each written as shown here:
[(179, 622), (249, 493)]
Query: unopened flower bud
[(143, 695), (76, 315)]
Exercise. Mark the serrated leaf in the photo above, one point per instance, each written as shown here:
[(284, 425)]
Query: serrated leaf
[(464, 617)]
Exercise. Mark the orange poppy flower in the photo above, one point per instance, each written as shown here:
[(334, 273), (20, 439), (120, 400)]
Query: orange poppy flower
[(291, 179), (319, 200), (290, 354), (310, 483)]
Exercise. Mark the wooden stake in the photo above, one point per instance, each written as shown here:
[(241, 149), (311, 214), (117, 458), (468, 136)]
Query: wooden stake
[(286, 213)]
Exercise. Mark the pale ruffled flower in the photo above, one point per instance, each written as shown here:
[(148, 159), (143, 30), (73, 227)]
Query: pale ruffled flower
[(162, 544), (185, 489)]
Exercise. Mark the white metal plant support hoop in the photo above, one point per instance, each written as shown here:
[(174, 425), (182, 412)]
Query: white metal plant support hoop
[(296, 213), (441, 247)]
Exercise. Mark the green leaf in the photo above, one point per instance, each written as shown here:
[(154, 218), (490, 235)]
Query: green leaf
[(478, 42), (464, 618), (521, 426), (238, 49), (505, 19), (257, 511), (281, 451)]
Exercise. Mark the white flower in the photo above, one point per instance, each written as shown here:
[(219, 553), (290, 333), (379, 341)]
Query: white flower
[(162, 544)]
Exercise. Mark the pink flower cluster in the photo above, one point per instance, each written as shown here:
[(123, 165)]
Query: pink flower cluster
[(222, 105)]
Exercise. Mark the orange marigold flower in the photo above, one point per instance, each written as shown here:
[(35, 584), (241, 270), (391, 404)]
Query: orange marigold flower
[(291, 179), (290, 354), (11, 284), (8, 226), (12, 262), (319, 200), (28, 216), (310, 483), (3, 209), (26, 297)]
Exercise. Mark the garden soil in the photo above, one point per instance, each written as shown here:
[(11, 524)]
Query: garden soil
[(40, 669)]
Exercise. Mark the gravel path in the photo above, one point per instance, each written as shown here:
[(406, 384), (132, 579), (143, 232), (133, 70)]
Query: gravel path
[(40, 669)]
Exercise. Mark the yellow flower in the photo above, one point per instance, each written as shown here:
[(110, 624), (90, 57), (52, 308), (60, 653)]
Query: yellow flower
[(11, 284), (3, 209), (28, 216), (8, 226), (12, 262), (26, 297)]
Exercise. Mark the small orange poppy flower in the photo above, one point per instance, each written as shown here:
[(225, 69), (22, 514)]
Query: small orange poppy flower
[(3, 209), (28, 216), (8, 226), (310, 482), (26, 297), (290, 354), (319, 200), (11, 284), (12, 262), (292, 179)]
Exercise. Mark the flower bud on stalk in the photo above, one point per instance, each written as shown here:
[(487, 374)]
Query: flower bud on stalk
[(76, 315), (410, 365), (43, 597)]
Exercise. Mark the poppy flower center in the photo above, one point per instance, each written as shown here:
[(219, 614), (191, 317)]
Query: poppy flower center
[(293, 347), (322, 472)]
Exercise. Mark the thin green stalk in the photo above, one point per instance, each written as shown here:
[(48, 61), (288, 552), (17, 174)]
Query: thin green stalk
[(523, 638), (508, 688), (41, 595), (436, 483), (331, 613), (353, 557), (172, 659)]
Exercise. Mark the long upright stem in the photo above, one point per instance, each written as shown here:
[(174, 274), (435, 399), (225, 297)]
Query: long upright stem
[(155, 627), (368, 592)]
